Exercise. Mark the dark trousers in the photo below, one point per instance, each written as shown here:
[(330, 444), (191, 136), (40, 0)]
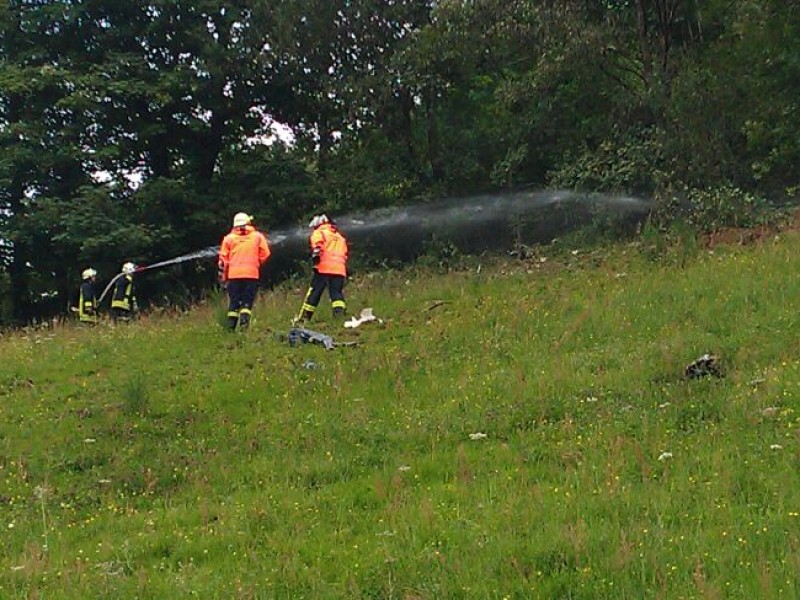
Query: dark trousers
[(120, 314), (241, 296), (320, 281)]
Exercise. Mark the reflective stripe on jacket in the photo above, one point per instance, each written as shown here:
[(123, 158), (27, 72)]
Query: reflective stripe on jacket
[(242, 253), (123, 293), (332, 248), (87, 303)]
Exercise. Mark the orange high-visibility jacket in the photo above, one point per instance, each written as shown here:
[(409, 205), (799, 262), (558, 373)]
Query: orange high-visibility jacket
[(242, 252), (332, 248)]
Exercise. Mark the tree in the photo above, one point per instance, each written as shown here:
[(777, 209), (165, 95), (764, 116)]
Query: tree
[(41, 154)]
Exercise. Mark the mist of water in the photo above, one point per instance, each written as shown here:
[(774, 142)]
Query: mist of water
[(494, 221), (209, 252)]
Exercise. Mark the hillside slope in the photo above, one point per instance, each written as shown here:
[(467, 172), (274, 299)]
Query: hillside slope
[(518, 430)]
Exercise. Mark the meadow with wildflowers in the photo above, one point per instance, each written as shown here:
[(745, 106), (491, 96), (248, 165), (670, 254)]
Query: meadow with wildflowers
[(513, 429)]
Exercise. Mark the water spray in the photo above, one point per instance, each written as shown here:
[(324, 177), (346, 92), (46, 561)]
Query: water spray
[(476, 223)]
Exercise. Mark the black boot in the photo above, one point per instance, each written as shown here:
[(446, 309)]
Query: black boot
[(244, 321), (232, 323)]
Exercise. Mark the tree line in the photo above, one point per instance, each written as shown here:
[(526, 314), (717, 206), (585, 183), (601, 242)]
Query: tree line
[(133, 130)]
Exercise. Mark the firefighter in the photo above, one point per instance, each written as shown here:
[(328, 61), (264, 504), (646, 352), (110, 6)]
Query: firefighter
[(87, 300), (241, 255), (123, 302), (329, 256)]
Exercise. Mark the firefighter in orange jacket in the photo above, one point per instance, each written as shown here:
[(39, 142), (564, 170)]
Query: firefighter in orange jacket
[(241, 254), (329, 256)]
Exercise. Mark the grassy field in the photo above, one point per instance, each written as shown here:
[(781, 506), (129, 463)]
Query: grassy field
[(512, 430)]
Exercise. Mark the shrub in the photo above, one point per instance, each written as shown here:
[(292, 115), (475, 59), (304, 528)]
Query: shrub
[(725, 206), (629, 161)]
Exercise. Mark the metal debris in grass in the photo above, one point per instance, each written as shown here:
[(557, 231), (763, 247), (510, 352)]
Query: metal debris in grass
[(301, 335), (708, 364), (436, 304)]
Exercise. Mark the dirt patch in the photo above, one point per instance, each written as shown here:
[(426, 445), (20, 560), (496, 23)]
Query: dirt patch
[(745, 236)]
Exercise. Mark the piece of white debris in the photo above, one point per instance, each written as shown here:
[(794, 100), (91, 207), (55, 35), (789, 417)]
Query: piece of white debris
[(770, 411), (365, 317), (665, 456), (775, 447), (477, 436), (403, 468)]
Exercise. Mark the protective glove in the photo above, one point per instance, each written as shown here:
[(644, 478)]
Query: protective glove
[(221, 273), (315, 257), (135, 305)]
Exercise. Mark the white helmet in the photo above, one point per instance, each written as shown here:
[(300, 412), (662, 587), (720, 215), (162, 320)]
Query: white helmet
[(318, 220), (88, 274), (241, 219), (128, 268)]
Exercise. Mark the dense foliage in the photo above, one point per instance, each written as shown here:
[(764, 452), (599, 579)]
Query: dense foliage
[(131, 130)]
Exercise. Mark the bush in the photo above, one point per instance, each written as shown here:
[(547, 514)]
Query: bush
[(725, 206), (630, 161)]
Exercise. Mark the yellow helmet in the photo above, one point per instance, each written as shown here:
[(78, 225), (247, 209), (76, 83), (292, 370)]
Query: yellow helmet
[(88, 274)]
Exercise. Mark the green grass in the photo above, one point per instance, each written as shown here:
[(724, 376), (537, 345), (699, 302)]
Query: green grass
[(170, 458)]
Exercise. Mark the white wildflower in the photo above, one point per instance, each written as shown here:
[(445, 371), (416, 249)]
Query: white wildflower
[(41, 491)]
